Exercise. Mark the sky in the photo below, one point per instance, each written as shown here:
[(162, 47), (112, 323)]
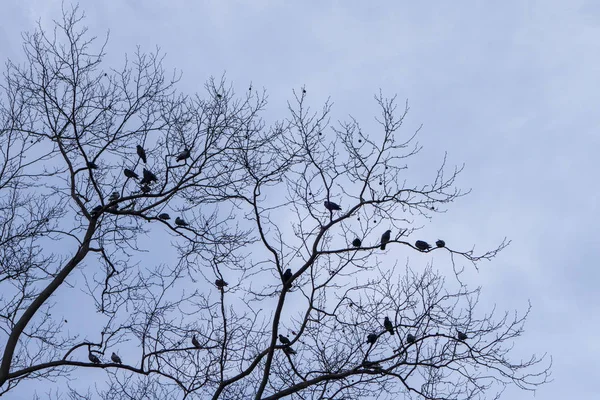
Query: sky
[(509, 88)]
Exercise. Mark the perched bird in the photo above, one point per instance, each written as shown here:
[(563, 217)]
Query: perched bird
[(130, 174), (114, 196), (180, 222), (440, 243), (287, 275), (164, 216), (356, 242), (421, 245), (410, 338), (385, 238), (461, 335), (141, 152), (195, 342), (95, 211), (91, 165), (221, 283), (371, 338), (184, 155), (289, 351), (388, 325), (331, 206), (93, 358), (145, 188), (116, 358), (148, 177), (284, 340), (371, 364)]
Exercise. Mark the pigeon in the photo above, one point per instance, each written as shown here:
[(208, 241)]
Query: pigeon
[(93, 358), (331, 206), (440, 243), (410, 338), (180, 222), (149, 177), (116, 358), (356, 242), (284, 340), (371, 338), (385, 238), (388, 325), (461, 335), (114, 196), (95, 211), (195, 342), (164, 216), (184, 155), (289, 351), (221, 283), (130, 174), (421, 245), (91, 165), (287, 275), (141, 153), (145, 188)]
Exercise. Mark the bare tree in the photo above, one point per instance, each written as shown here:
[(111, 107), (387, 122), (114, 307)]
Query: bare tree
[(276, 286)]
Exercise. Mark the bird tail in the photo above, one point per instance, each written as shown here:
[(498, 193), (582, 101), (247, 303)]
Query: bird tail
[(382, 246)]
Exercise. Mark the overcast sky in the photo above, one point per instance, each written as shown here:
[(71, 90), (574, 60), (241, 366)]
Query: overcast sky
[(510, 88)]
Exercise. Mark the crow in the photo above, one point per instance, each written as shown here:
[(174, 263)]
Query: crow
[(114, 196), (331, 206), (385, 238), (130, 174), (184, 155), (388, 325), (91, 165), (421, 245), (356, 242), (95, 211), (371, 338), (440, 243), (410, 338), (180, 222), (289, 351), (93, 358), (141, 153), (287, 275), (164, 216), (221, 283), (116, 358), (148, 177), (461, 335), (284, 340)]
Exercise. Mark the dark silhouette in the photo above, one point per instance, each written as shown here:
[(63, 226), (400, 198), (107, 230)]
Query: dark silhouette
[(114, 196), (195, 342), (289, 351), (410, 338), (184, 155), (164, 216), (372, 338), (331, 206), (91, 165), (93, 358), (388, 325), (284, 340), (356, 242), (385, 238), (180, 222), (421, 245), (130, 174), (287, 275), (148, 177), (116, 358), (440, 243), (461, 335), (145, 188), (141, 153), (221, 283)]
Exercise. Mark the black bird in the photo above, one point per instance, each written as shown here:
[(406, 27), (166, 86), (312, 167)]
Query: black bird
[(440, 243), (130, 174), (284, 340), (141, 152), (93, 358), (164, 216), (145, 188), (195, 342), (95, 211), (388, 325), (184, 155), (410, 338), (461, 335), (385, 238), (180, 222), (331, 206), (289, 351), (221, 283), (421, 245), (91, 165), (149, 177), (371, 364), (371, 338), (114, 196), (356, 242), (116, 358), (287, 275)]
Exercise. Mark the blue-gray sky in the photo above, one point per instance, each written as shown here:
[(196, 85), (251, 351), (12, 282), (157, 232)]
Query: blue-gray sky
[(509, 88)]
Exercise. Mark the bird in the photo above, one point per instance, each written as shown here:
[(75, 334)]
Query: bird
[(195, 342), (180, 222), (287, 275), (385, 238), (440, 243), (421, 245), (461, 335), (95, 211), (116, 358), (114, 196), (410, 338), (184, 155), (141, 152), (289, 351), (331, 206), (371, 338), (91, 165), (356, 242), (130, 174), (164, 216), (371, 364), (148, 177), (145, 188), (284, 340), (388, 325), (93, 358), (221, 283)]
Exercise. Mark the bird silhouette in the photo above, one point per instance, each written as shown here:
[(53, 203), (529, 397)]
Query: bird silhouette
[(141, 152), (164, 216), (148, 177), (284, 340), (116, 358), (96, 211), (385, 238), (331, 206), (289, 351), (91, 165), (461, 335), (371, 364), (410, 338), (184, 155), (440, 243), (421, 245), (388, 325), (114, 196), (180, 222), (195, 342), (287, 275), (93, 358), (145, 188), (356, 242), (221, 283), (130, 174), (371, 338)]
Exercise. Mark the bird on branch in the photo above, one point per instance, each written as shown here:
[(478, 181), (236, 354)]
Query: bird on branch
[(164, 216), (141, 153), (440, 243), (184, 155), (284, 340), (461, 335), (331, 206), (421, 245), (130, 174), (93, 358), (116, 358), (148, 177), (195, 342), (372, 338), (180, 222), (410, 338), (356, 242), (221, 283), (385, 238), (388, 325)]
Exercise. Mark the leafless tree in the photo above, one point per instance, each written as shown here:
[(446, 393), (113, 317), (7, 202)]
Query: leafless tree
[(198, 244)]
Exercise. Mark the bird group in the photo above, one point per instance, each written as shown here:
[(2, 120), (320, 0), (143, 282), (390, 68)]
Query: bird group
[(95, 360)]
